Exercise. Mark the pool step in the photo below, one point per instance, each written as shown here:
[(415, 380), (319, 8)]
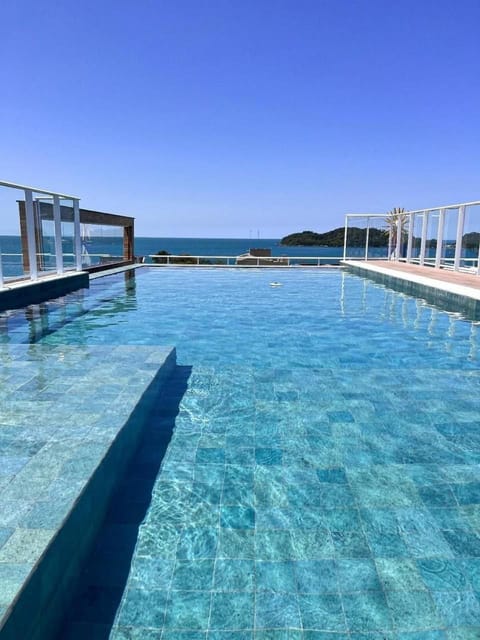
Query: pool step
[(57, 555)]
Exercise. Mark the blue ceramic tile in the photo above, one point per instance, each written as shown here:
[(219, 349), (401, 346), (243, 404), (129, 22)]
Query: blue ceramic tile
[(443, 575), (463, 543), (276, 611), (188, 610), (467, 493), (335, 475), (193, 575), (398, 574), (316, 576), (471, 569), (197, 543), (268, 456), (350, 544), (232, 613), (340, 416), (275, 576), (438, 496), (457, 608), (142, 608), (387, 545), (235, 543), (367, 611), (237, 517), (234, 575), (150, 573), (340, 519), (357, 575), (210, 456), (321, 612), (273, 546), (413, 610)]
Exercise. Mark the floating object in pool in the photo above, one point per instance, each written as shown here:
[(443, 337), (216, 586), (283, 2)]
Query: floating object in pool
[(276, 284)]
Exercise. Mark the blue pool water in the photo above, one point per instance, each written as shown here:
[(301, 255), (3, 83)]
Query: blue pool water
[(322, 480)]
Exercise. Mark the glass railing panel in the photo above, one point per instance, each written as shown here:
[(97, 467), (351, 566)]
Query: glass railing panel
[(449, 237), (13, 263), (101, 244), (432, 235), (471, 238)]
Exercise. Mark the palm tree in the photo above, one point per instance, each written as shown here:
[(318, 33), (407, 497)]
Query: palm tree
[(393, 218)]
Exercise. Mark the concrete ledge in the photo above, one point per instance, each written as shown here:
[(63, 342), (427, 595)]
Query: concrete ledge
[(448, 296), (58, 554), (17, 295)]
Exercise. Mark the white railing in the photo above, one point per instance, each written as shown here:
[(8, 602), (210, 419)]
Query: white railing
[(33, 194), (241, 261), (447, 236)]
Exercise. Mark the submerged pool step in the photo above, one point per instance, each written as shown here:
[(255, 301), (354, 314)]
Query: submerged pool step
[(54, 505)]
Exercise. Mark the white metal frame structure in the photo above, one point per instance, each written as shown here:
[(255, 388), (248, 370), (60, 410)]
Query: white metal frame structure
[(32, 194), (406, 228)]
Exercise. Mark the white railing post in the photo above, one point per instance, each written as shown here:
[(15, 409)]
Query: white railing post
[(458, 242), (345, 239), (31, 242), (411, 225), (367, 235), (440, 232), (399, 239), (423, 242), (58, 235), (77, 240)]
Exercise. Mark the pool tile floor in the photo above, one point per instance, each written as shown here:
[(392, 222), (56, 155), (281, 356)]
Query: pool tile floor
[(378, 540)]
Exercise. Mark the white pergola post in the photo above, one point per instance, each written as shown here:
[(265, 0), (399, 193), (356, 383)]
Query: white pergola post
[(1, 270), (76, 235), (31, 242), (411, 225), (58, 235), (423, 242), (458, 242), (440, 234), (399, 239), (367, 238), (345, 239)]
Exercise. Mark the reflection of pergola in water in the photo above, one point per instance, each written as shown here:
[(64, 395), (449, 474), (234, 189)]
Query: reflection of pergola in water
[(51, 209)]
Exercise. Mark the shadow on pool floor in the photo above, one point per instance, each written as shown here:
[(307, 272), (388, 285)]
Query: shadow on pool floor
[(105, 574)]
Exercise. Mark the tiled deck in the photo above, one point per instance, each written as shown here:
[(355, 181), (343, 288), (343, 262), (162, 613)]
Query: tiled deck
[(66, 411)]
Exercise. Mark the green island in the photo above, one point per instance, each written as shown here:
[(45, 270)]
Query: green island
[(335, 238)]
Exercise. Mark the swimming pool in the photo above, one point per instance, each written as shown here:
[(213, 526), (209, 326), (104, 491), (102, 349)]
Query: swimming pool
[(322, 479)]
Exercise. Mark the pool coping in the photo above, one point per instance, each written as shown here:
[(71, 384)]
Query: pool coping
[(21, 293), (39, 603)]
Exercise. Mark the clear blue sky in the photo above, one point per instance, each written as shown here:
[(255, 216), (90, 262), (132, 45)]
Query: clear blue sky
[(221, 117)]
